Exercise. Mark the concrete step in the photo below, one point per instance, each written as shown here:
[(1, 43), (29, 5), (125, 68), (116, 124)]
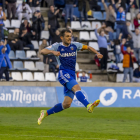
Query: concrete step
[(88, 66), (99, 78)]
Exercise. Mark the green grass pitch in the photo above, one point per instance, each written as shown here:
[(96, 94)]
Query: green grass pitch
[(71, 124)]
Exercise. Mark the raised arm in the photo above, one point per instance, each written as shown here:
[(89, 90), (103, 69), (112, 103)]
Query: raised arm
[(114, 6), (105, 6), (96, 31), (130, 32)]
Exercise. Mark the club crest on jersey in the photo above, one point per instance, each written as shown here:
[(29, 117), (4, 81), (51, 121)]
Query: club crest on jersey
[(72, 48)]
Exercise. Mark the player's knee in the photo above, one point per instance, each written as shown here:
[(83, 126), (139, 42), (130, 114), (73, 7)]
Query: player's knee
[(66, 105), (76, 88)]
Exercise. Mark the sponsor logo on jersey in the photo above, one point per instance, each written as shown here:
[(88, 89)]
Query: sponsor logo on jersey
[(67, 75), (68, 54)]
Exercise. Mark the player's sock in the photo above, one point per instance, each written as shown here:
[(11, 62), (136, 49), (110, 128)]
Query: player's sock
[(81, 98), (57, 108)]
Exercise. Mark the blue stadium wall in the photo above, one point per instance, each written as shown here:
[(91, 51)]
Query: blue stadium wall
[(23, 96)]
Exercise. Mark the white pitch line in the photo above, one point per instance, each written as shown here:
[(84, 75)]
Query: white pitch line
[(54, 137)]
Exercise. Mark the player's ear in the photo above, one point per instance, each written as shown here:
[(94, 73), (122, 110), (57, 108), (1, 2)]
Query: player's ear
[(61, 37)]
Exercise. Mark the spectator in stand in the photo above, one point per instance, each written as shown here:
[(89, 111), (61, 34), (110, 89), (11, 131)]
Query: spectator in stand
[(128, 61), (134, 9), (136, 75), (11, 8), (41, 47), (5, 63), (52, 18), (26, 39), (26, 25), (24, 11), (35, 5), (110, 15), (94, 5), (59, 3), (38, 24), (14, 42), (49, 2), (115, 44), (83, 78), (2, 4), (121, 3), (137, 21), (102, 42), (121, 19), (83, 6), (136, 40), (55, 35), (108, 31), (2, 19), (53, 65), (69, 4)]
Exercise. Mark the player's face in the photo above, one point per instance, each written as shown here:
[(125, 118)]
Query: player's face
[(83, 74), (67, 38)]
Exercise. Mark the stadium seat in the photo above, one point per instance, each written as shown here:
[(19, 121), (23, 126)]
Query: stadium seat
[(84, 35), (120, 65), (7, 24), (128, 16), (77, 67), (18, 65), (50, 77), (16, 76), (27, 76), (15, 23), (131, 27), (12, 55), (93, 36), (109, 48), (39, 65), (135, 66), (29, 65), (29, 55), (39, 76), (104, 15), (119, 78), (98, 15), (35, 43), (45, 34), (40, 42), (11, 31), (20, 55), (109, 65), (75, 25), (94, 45), (87, 23), (111, 56), (94, 25)]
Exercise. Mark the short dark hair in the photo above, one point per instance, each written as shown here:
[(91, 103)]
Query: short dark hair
[(51, 5), (64, 31)]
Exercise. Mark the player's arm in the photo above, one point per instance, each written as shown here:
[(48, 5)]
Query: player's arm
[(47, 51), (86, 47)]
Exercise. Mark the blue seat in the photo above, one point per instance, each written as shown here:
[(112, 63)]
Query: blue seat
[(104, 15), (76, 12), (21, 55), (18, 65), (12, 55), (98, 15)]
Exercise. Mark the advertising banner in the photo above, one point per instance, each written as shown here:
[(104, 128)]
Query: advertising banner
[(20, 96), (109, 96)]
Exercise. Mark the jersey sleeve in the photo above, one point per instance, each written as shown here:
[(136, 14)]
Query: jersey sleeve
[(80, 46), (53, 47)]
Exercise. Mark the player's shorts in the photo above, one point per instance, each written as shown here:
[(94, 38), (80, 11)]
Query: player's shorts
[(68, 79)]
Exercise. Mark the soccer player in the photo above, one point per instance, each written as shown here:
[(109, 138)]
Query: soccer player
[(65, 53)]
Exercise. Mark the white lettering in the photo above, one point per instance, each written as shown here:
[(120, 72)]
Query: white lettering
[(28, 98), (137, 94), (44, 95), (2, 98), (40, 97), (8, 97), (68, 54), (127, 93)]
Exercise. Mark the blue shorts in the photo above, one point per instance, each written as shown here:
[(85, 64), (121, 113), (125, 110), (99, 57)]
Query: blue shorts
[(68, 79)]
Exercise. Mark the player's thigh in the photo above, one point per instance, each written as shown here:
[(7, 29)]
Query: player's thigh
[(67, 102), (76, 88)]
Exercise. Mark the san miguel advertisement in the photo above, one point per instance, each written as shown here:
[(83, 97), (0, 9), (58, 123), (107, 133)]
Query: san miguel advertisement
[(20, 96)]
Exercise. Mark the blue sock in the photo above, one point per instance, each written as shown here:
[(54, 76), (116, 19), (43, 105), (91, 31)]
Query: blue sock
[(57, 108), (81, 98)]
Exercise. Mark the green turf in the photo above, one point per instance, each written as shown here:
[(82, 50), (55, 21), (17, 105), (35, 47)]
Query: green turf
[(71, 124)]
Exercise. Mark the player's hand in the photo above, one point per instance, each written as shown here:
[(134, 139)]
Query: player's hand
[(56, 53), (100, 56)]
